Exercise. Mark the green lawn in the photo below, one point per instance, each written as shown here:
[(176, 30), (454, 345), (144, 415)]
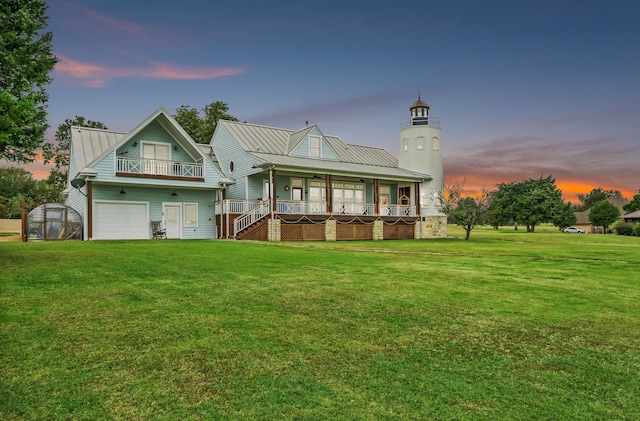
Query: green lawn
[(508, 325)]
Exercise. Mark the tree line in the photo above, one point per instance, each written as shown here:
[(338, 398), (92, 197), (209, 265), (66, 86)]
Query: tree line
[(530, 203)]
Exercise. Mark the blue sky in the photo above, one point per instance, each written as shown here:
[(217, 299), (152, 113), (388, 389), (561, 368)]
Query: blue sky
[(522, 88)]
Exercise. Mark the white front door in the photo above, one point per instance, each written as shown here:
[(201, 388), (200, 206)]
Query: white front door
[(171, 219)]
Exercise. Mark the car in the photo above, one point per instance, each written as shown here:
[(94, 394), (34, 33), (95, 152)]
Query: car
[(574, 230)]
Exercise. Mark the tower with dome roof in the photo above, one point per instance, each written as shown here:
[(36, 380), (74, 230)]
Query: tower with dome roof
[(420, 150)]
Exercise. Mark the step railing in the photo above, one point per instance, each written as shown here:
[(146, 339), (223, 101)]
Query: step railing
[(251, 217)]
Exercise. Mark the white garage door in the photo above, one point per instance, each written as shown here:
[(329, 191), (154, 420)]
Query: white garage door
[(120, 221)]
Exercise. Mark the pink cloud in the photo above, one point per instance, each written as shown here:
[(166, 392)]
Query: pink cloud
[(95, 75)]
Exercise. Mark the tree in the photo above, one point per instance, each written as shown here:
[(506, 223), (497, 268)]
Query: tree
[(201, 128), (17, 185), (634, 205), (25, 63), (530, 202), (466, 212), (59, 152), (594, 196), (603, 214), (564, 216)]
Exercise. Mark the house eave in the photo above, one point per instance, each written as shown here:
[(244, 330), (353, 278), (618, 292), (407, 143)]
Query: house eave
[(352, 174)]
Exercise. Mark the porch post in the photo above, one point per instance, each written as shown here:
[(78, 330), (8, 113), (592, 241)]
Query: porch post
[(416, 189), (224, 215), (376, 196), (272, 198), (272, 190), (328, 186), (90, 208)]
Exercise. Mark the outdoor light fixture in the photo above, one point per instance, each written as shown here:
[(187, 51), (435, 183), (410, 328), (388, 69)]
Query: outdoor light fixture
[(316, 176), (135, 144), (174, 193), (122, 191), (286, 188), (362, 180), (175, 148)]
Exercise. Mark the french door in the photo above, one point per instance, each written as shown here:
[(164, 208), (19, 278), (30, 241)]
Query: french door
[(156, 158)]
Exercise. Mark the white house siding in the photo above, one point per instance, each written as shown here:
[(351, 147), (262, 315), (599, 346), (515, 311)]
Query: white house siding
[(155, 197)]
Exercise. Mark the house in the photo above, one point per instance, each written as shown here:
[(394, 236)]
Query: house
[(632, 217), (306, 185), (583, 221), (256, 182), (121, 182)]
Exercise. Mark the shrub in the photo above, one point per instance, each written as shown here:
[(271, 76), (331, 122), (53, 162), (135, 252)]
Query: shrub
[(624, 229), (636, 229)]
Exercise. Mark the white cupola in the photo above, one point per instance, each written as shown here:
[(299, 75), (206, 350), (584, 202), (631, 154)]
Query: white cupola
[(419, 113)]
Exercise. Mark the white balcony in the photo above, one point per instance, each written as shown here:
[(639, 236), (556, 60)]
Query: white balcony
[(160, 168)]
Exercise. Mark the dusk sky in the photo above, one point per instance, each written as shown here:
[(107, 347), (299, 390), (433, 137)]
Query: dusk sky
[(523, 88)]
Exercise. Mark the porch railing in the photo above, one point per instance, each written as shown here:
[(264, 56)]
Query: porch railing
[(159, 167), (251, 217), (238, 206), (320, 208), (398, 210)]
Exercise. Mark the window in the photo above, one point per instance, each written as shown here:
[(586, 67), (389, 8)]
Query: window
[(317, 191), (436, 144), (231, 167), (421, 141), (314, 146), (348, 198), (156, 158), (190, 214), (405, 144)]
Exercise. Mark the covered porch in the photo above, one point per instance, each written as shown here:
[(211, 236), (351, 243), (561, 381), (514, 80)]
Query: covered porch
[(298, 206)]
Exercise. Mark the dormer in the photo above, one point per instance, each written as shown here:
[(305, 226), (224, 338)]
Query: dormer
[(310, 143)]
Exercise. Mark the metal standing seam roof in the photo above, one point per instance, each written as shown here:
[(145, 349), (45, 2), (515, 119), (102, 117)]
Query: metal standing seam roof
[(253, 138), (313, 165), (272, 141), (89, 143)]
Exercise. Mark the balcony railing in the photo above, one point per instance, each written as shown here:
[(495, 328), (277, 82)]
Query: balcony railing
[(159, 168)]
